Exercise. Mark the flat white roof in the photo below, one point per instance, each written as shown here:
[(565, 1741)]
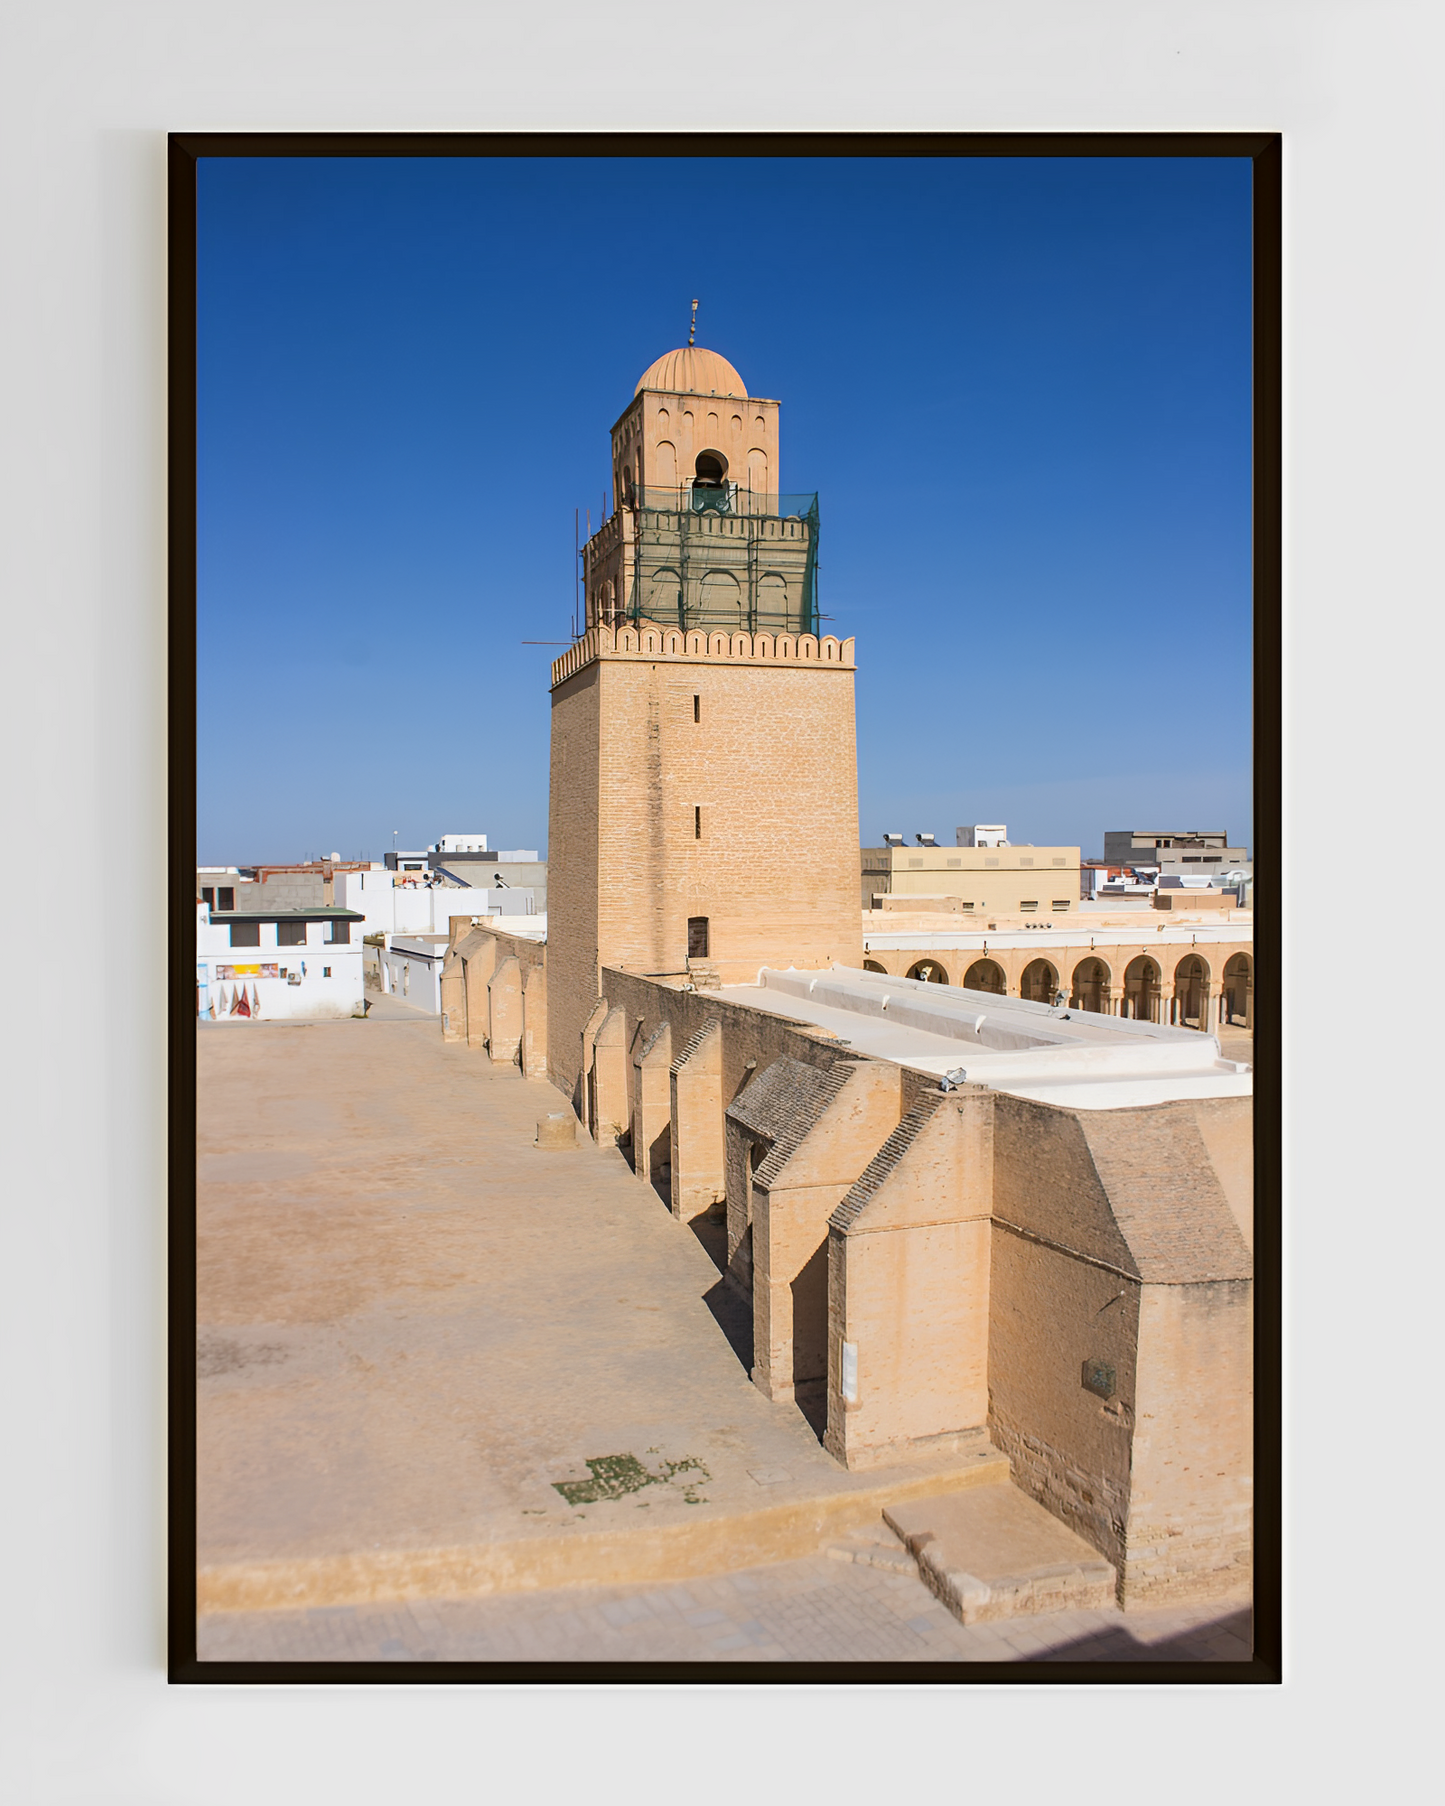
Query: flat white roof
[(1055, 1056), (1157, 934)]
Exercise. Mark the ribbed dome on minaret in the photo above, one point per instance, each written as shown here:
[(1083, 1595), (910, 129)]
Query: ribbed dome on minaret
[(693, 371)]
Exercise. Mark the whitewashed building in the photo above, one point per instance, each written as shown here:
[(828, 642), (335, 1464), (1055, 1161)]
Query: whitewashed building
[(411, 969), (279, 964)]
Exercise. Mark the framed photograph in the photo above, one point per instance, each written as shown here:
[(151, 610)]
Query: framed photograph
[(725, 1080)]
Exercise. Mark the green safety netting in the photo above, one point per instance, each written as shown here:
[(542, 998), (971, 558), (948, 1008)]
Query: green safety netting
[(726, 557)]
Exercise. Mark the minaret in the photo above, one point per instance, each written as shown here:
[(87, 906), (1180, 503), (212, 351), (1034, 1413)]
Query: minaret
[(704, 804), (700, 535)]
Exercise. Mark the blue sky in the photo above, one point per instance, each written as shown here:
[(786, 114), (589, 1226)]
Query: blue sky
[(1020, 386)]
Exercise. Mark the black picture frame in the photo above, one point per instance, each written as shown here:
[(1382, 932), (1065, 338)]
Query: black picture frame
[(1265, 150)]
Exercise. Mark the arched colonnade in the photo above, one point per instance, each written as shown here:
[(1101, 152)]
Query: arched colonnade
[(1183, 988)]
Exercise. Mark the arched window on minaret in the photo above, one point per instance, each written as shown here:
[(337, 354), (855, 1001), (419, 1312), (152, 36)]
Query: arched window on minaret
[(711, 469), (722, 601)]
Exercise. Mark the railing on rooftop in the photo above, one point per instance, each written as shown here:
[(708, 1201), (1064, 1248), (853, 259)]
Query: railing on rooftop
[(726, 498)]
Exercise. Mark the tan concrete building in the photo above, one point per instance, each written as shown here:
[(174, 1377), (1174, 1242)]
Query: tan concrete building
[(1009, 880)]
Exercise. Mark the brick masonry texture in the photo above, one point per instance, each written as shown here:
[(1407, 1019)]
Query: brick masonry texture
[(988, 1250), (737, 816)]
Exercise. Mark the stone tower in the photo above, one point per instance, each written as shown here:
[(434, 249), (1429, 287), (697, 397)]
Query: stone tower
[(704, 800)]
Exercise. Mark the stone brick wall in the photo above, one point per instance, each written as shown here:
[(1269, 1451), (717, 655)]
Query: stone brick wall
[(471, 1013), (1077, 1280), (1226, 1127), (1049, 1313), (751, 1041), (711, 780), (1117, 1251), (909, 1277), (1191, 1493), (796, 1137), (652, 1103), (698, 1162), (572, 842)]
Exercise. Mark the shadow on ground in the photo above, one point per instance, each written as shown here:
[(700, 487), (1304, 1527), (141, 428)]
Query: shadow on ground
[(734, 1317), (1116, 1643)]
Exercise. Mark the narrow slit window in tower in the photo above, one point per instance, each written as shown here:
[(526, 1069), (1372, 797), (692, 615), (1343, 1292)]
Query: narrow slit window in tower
[(697, 822), (697, 708)]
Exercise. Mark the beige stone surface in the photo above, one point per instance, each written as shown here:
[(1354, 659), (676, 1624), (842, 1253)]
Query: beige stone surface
[(909, 1263), (1191, 1493), (1208, 985), (814, 1609), (413, 1324), (973, 880), (739, 807), (504, 1013), (991, 1553), (534, 1022)]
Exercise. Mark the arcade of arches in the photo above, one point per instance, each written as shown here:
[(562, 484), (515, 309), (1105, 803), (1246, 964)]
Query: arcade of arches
[(1188, 987)]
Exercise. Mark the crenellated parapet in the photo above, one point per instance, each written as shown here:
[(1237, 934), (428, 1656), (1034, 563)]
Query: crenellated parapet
[(648, 640)]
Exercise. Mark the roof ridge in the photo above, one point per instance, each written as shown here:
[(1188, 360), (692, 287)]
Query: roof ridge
[(783, 1103), (695, 1042), (925, 1106)]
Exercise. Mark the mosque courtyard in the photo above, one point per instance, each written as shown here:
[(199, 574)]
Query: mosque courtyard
[(464, 1399)]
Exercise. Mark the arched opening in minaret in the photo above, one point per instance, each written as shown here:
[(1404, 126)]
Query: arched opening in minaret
[(711, 490)]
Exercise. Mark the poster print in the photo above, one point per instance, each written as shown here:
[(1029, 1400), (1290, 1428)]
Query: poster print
[(749, 1161)]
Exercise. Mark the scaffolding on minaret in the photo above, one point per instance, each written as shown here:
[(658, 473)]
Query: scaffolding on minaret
[(724, 557)]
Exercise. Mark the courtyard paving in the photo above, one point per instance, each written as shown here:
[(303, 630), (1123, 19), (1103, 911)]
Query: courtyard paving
[(810, 1610), (440, 1366)]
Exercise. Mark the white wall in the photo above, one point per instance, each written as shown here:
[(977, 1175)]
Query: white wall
[(330, 973), (370, 893), (330, 983), (214, 939), (413, 977), (392, 908)]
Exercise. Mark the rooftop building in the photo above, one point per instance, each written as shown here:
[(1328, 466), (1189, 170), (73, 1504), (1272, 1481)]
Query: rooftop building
[(991, 877), (1172, 849)]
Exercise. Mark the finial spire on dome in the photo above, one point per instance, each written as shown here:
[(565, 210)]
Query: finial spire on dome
[(692, 330)]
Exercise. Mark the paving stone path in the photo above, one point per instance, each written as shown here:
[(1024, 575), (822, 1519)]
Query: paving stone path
[(813, 1610), (416, 1331)]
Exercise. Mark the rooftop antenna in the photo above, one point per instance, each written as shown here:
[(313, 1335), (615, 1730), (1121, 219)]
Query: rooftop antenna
[(692, 330)]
